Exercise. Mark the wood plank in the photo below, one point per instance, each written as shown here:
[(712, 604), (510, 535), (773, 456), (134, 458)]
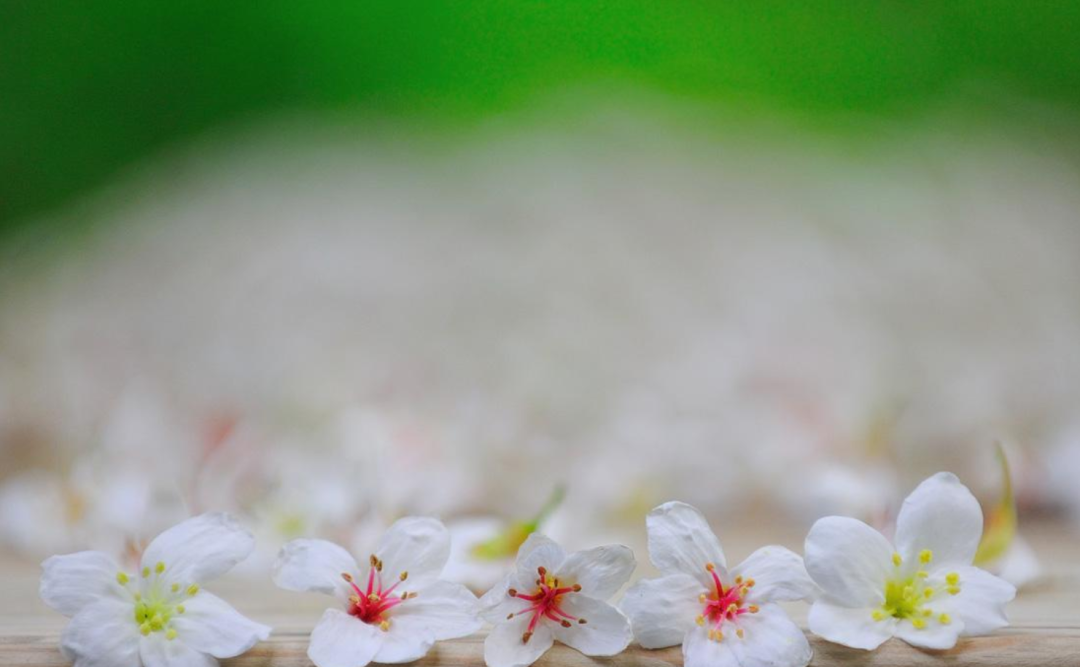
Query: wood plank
[(1013, 648)]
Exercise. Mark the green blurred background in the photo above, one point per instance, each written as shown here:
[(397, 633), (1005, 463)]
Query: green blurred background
[(88, 88)]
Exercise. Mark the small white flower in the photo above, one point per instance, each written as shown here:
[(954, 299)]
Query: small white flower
[(158, 616), (552, 595), (392, 613), (924, 591), (722, 619)]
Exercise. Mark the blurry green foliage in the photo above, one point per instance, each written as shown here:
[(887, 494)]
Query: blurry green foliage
[(88, 87)]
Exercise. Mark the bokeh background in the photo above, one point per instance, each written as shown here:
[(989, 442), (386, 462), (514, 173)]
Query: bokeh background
[(534, 264)]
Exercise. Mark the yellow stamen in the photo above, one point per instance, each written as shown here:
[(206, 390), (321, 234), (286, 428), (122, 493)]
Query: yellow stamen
[(922, 574), (160, 567), (952, 578), (753, 609), (896, 560), (180, 609), (953, 590), (700, 620), (928, 592), (701, 598), (175, 588), (384, 626), (193, 589), (144, 628), (404, 575), (170, 634), (709, 567), (145, 572), (945, 619), (925, 556), (878, 615), (750, 582), (121, 578), (918, 623), (740, 633)]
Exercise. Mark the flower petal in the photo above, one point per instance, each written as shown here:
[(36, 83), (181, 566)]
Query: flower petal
[(606, 632), (496, 604), (157, 651), (446, 610), (779, 575), (680, 540), (199, 549), (417, 545), (537, 551), (770, 638), (102, 634), (211, 625), (700, 651), (314, 566), (980, 604), (849, 560), (661, 610), (854, 627), (403, 644), (933, 635), (69, 583), (940, 515), (600, 572), (504, 648), (339, 640)]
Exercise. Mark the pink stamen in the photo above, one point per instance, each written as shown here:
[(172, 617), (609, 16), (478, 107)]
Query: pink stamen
[(370, 606), (547, 601)]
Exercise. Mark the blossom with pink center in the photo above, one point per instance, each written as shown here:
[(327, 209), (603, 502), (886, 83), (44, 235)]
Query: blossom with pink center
[(721, 618), (394, 611), (552, 595)]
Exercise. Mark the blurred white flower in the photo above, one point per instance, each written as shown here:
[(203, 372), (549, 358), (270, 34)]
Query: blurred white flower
[(393, 614), (721, 619), (925, 591), (552, 595), (159, 615)]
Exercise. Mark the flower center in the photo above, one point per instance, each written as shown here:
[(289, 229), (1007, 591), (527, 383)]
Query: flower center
[(156, 602), (370, 605), (724, 604), (912, 598), (546, 602)]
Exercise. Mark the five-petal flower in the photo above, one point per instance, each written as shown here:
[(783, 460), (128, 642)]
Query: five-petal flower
[(924, 590), (392, 612), (721, 618), (158, 616), (552, 595)]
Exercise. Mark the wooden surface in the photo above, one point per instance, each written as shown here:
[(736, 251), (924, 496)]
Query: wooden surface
[(1045, 622)]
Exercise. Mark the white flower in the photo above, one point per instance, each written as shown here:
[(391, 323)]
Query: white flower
[(722, 619), (924, 591), (392, 613), (552, 595), (158, 616)]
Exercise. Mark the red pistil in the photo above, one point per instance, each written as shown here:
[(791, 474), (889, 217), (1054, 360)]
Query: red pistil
[(371, 605), (726, 604), (546, 603)]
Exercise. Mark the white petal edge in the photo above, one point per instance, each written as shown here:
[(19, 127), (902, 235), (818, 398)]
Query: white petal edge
[(503, 646), (606, 633), (102, 634), (70, 582), (157, 651), (980, 604), (849, 561), (340, 640), (537, 551), (933, 636), (600, 572), (211, 625), (200, 548), (417, 545), (700, 651), (314, 566), (940, 515), (770, 639), (661, 610), (853, 627), (779, 575), (444, 609), (680, 540), (497, 603)]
